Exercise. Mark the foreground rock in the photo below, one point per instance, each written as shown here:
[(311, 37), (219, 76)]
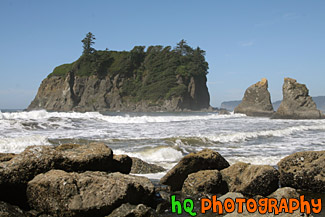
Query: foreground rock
[(251, 179), (86, 194), (204, 181), (15, 173), (296, 103), (141, 167), (6, 156), (256, 100), (7, 210), (121, 163), (128, 210), (95, 157), (286, 193), (194, 162), (304, 170)]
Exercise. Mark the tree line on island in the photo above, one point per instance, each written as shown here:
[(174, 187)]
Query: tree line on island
[(148, 73)]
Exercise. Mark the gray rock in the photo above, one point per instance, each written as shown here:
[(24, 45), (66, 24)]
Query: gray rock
[(303, 170), (256, 100), (141, 167), (296, 103), (93, 156), (231, 195), (204, 181), (251, 179), (128, 210), (86, 194), (121, 163), (193, 162), (285, 192), (223, 112), (16, 173)]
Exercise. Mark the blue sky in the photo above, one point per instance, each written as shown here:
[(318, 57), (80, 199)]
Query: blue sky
[(244, 40)]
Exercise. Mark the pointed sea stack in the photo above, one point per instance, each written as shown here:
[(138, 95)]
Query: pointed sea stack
[(256, 101), (296, 103)]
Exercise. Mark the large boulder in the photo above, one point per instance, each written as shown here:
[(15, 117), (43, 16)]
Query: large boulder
[(86, 194), (303, 170), (296, 103), (129, 210), (204, 181), (285, 192), (193, 162), (15, 174), (93, 156), (141, 167), (256, 100), (251, 179), (121, 163)]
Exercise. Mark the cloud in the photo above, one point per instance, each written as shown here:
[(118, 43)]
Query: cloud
[(290, 16), (247, 43)]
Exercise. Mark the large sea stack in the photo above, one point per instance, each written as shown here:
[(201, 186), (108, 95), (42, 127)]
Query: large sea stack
[(296, 103), (157, 79), (256, 101)]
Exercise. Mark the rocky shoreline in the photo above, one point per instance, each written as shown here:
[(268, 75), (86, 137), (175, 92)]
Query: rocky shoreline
[(89, 180)]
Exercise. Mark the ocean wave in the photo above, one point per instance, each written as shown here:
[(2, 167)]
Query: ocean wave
[(256, 160), (155, 155), (18, 144), (42, 114), (243, 136)]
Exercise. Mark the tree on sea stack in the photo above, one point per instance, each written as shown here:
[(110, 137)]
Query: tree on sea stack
[(88, 41)]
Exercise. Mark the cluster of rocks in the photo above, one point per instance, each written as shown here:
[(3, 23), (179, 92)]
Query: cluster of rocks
[(296, 103), (89, 180), (207, 173), (75, 180)]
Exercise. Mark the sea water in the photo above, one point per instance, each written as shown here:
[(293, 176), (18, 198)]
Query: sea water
[(164, 138)]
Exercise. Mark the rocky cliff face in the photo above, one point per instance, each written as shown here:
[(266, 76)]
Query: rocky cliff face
[(75, 93), (296, 103), (158, 79), (256, 101)]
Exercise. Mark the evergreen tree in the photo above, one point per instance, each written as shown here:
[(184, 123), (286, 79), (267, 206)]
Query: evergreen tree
[(88, 41), (183, 48)]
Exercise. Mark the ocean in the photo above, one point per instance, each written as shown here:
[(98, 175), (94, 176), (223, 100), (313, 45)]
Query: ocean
[(164, 138)]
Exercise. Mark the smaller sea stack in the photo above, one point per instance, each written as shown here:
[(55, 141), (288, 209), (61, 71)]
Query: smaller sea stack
[(256, 101), (296, 103)]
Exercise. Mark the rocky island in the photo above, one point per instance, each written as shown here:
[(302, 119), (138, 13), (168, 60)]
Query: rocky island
[(156, 79), (296, 103), (256, 100)]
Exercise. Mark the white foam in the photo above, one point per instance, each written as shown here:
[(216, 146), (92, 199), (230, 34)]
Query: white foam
[(256, 160), (156, 176), (42, 114), (18, 144), (155, 155), (242, 136)]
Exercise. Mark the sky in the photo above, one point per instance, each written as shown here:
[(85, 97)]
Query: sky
[(244, 40)]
